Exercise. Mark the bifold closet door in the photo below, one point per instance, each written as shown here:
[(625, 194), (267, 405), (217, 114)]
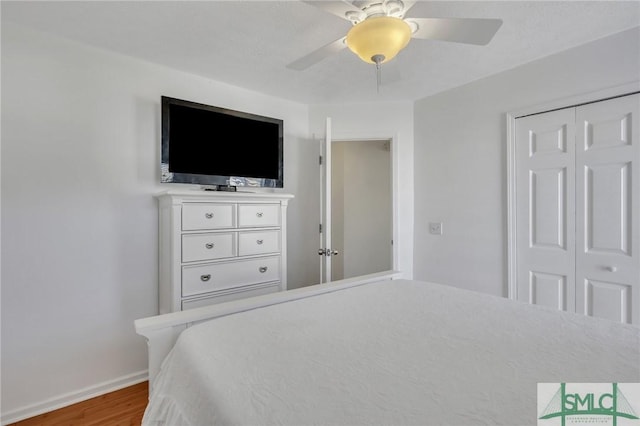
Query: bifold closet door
[(545, 209), (608, 206), (578, 209)]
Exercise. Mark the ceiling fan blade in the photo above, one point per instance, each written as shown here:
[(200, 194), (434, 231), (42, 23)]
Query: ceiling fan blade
[(318, 55), (339, 8), (460, 30)]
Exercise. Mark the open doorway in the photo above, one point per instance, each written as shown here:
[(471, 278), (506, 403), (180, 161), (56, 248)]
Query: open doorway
[(361, 207)]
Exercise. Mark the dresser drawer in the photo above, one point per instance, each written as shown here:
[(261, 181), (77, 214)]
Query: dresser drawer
[(227, 296), (254, 215), (208, 216), (217, 276), (208, 246), (258, 242)]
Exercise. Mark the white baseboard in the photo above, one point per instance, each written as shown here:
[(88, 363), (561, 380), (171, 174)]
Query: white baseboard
[(73, 397)]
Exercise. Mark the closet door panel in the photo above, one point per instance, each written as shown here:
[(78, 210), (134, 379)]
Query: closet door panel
[(608, 300), (607, 223), (608, 209), (545, 209), (548, 208)]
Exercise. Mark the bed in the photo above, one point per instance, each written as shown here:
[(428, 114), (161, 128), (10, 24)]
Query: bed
[(375, 350)]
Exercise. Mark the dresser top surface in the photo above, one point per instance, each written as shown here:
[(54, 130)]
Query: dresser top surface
[(202, 195)]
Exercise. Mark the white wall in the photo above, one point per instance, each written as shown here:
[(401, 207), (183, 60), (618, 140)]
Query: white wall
[(80, 162), (460, 156), (383, 120)]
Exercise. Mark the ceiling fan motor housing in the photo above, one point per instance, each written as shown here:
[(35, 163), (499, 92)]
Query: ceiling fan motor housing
[(380, 35)]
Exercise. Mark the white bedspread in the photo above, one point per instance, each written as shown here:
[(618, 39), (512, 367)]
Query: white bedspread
[(388, 353)]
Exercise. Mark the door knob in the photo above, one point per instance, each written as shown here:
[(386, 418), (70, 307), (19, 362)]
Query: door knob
[(611, 268)]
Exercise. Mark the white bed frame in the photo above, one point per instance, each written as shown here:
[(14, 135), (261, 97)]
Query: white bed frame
[(162, 331)]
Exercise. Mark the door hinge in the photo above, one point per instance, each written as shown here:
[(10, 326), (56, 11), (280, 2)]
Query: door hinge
[(320, 228), (320, 160)]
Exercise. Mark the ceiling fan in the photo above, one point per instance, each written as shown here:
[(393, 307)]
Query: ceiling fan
[(381, 30)]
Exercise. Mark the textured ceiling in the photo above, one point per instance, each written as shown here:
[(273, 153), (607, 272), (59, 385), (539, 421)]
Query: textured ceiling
[(249, 43)]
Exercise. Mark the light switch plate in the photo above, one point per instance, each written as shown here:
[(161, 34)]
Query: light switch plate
[(435, 228)]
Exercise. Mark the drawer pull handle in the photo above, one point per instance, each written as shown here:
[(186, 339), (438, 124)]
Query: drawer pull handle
[(205, 278), (209, 245), (208, 215), (259, 214), (262, 269), (259, 241)]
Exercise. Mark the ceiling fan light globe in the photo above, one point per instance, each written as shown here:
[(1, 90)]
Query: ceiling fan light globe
[(383, 35)]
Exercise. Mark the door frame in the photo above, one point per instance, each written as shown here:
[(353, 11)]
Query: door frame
[(573, 101), (395, 178)]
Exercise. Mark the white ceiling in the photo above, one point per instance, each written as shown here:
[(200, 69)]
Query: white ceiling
[(249, 43)]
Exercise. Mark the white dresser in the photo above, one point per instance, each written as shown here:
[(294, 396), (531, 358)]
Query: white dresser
[(220, 246)]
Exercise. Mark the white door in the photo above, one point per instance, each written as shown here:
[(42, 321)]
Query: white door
[(545, 209), (577, 219), (608, 223)]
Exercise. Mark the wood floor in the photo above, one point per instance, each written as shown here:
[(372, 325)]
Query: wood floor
[(120, 408)]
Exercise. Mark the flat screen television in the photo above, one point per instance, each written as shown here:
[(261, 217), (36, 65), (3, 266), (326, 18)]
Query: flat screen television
[(220, 148)]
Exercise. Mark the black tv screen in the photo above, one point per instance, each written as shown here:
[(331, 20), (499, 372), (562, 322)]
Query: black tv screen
[(208, 145)]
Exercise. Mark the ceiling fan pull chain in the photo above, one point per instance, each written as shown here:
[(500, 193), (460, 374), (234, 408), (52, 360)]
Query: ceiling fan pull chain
[(378, 60)]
